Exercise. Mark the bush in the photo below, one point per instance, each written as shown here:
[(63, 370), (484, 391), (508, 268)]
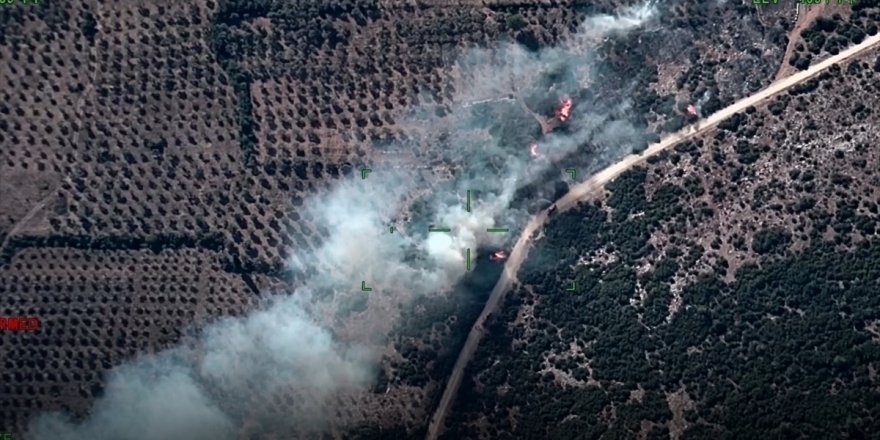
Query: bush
[(733, 123), (528, 40), (825, 24), (771, 240), (89, 27), (841, 180), (777, 107), (746, 153), (855, 34), (516, 22)]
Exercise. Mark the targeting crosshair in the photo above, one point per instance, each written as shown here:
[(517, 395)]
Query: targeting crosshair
[(468, 259)]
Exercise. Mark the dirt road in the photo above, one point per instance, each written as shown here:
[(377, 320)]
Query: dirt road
[(598, 181), (805, 19)]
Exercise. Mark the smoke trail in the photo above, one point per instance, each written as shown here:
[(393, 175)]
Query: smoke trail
[(239, 363), (154, 397), (225, 380), (521, 88), (630, 19)]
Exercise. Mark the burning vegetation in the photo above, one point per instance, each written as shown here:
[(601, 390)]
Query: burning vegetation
[(561, 116), (498, 256), (564, 111)]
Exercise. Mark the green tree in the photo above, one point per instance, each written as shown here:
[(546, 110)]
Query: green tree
[(516, 22)]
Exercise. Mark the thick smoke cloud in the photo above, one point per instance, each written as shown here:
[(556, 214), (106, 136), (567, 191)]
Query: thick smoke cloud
[(152, 397), (519, 88), (211, 388), (204, 392)]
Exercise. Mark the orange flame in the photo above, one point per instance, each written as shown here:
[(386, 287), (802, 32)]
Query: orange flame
[(564, 111), (533, 149), (498, 256)]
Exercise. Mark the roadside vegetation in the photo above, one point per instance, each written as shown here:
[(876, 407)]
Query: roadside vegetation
[(830, 35), (725, 289)]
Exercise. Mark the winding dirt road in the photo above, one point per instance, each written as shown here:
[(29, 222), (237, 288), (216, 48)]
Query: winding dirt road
[(596, 182)]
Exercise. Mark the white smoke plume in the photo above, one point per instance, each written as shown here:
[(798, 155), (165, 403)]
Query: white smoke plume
[(211, 388), (627, 20), (153, 396), (507, 76), (204, 392)]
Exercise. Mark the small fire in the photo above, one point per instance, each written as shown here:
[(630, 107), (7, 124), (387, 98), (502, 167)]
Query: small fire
[(498, 256), (533, 149), (564, 111)]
